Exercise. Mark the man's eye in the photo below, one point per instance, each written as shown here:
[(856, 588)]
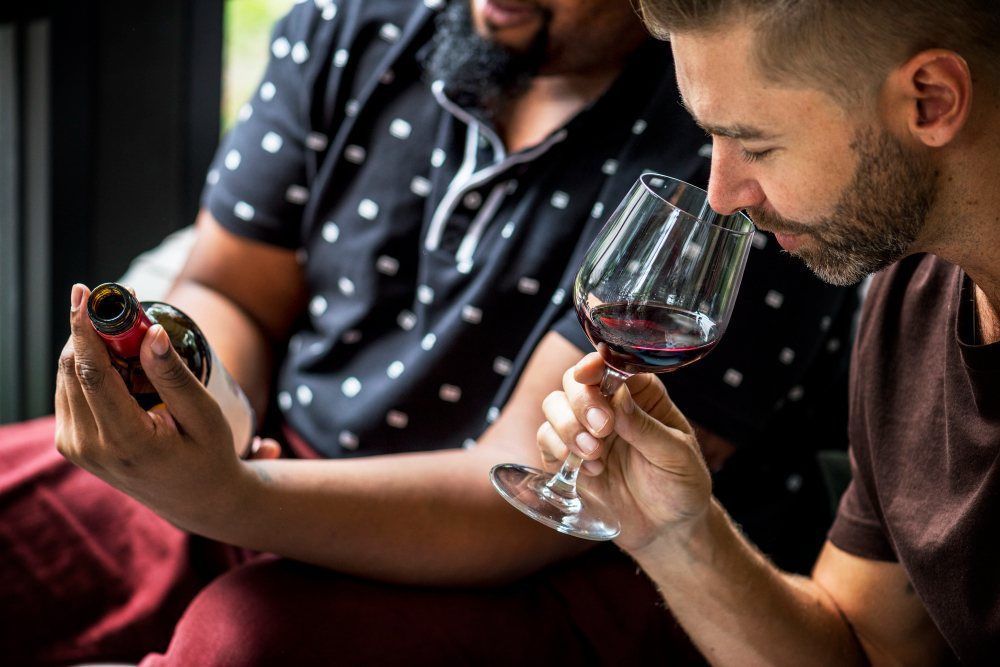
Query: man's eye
[(754, 156)]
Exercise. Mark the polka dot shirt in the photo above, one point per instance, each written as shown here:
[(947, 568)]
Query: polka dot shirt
[(435, 259)]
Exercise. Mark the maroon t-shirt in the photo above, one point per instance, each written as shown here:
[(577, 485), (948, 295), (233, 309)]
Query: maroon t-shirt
[(925, 450)]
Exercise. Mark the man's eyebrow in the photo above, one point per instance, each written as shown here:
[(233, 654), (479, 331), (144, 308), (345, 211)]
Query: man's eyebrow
[(737, 131)]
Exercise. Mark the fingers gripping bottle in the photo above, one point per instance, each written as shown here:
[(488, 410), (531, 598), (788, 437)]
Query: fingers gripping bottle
[(122, 321)]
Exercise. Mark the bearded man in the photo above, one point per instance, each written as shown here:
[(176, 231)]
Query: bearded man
[(866, 136)]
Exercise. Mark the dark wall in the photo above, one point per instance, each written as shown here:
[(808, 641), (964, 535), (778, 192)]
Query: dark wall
[(133, 103)]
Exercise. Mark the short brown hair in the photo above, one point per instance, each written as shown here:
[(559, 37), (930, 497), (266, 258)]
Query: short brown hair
[(848, 45)]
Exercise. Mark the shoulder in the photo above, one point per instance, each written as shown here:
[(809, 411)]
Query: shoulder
[(913, 292), (310, 20)]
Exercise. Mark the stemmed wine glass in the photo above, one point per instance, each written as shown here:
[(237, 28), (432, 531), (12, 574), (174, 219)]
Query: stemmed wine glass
[(654, 294)]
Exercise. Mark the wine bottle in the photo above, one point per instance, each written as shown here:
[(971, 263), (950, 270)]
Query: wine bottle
[(122, 321)]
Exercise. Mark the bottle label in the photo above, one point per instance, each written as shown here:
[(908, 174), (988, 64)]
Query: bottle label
[(234, 403)]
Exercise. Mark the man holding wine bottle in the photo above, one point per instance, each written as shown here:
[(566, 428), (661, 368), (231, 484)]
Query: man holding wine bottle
[(384, 256), (881, 157)]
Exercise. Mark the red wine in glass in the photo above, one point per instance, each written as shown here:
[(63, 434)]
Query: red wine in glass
[(648, 337), (654, 293)]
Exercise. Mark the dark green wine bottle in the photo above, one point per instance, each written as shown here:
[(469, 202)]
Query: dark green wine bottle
[(122, 321)]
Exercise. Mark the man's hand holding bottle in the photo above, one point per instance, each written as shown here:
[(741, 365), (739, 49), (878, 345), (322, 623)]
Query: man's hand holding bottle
[(178, 460)]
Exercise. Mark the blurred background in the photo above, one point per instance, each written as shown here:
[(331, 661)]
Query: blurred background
[(110, 112)]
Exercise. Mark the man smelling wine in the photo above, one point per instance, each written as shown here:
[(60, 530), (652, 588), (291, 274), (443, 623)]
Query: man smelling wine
[(386, 246), (881, 157)]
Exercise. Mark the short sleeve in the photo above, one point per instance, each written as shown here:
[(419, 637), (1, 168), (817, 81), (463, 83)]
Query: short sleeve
[(857, 528), (568, 326), (257, 184)]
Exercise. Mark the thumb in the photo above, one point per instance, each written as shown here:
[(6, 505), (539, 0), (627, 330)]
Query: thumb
[(190, 404), (663, 445), (264, 449)]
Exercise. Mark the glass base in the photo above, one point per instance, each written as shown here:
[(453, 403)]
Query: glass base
[(583, 516)]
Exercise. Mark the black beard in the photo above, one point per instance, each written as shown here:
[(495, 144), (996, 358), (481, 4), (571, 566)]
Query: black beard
[(477, 73)]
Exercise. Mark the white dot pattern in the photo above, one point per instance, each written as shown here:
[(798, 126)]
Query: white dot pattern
[(406, 320), (316, 141), (297, 194), (450, 393), (386, 265), (527, 286), (425, 294), (610, 167), (492, 414), (502, 366), (300, 53), (317, 305), (346, 286), (389, 32), (507, 230), (472, 315), (437, 157), (368, 209), (786, 356), (232, 160), (560, 199), (280, 47), (733, 377), (304, 395), (400, 129), (397, 419), (597, 211), (774, 299), (267, 91), (355, 154), (243, 211), (351, 387), (331, 232), (351, 108), (395, 369), (428, 341), (340, 57), (272, 142), (348, 440), (285, 401), (420, 186)]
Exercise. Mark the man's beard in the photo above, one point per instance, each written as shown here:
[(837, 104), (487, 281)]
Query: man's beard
[(877, 218), (476, 72)]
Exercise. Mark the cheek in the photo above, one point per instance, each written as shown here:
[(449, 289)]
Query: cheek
[(805, 189)]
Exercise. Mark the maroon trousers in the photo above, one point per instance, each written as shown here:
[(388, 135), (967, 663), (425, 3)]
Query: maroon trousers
[(87, 573)]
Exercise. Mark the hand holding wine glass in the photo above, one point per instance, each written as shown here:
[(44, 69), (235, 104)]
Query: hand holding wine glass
[(652, 471), (654, 294)]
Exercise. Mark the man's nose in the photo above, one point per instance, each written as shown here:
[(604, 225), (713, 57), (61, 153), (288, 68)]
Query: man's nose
[(731, 186)]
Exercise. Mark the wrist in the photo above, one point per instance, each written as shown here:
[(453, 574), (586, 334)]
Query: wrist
[(685, 544)]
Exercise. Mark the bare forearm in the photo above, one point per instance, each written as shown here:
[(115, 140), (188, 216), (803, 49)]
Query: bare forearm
[(739, 609), (427, 518), (237, 340)]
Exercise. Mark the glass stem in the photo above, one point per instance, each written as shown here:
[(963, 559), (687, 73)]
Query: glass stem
[(563, 483)]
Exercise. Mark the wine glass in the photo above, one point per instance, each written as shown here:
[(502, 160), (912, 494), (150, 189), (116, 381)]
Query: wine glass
[(654, 294)]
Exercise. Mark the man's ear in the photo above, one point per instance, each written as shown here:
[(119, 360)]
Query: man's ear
[(932, 94)]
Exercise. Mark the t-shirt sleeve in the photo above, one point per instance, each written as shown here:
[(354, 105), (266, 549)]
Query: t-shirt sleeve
[(857, 528), (257, 184)]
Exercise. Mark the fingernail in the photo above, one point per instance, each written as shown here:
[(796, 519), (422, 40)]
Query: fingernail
[(628, 405), (586, 442), (160, 343), (596, 418), (595, 467), (76, 297)]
